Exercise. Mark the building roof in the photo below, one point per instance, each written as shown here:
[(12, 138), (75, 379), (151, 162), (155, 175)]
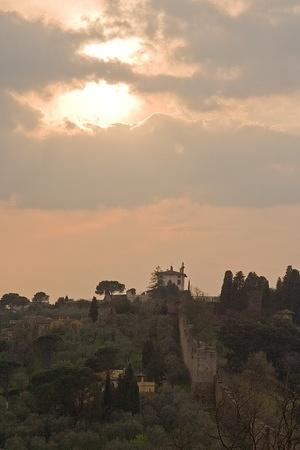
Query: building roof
[(172, 272)]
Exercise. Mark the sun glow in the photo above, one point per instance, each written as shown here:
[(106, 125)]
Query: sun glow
[(96, 104), (128, 50), (99, 104)]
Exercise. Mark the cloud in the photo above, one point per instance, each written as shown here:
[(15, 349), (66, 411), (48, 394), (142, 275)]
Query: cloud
[(34, 54), (260, 45), (161, 158), (251, 53), (71, 14), (206, 52), (14, 115)]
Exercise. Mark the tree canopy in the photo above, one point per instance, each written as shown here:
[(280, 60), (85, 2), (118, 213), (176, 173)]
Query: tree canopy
[(40, 297), (64, 390), (14, 300), (236, 290), (109, 287)]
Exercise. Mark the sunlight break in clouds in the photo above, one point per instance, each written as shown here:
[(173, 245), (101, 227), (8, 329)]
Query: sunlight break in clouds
[(128, 50), (99, 104), (96, 104), (148, 59)]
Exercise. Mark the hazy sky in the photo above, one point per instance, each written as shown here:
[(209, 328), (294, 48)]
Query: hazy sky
[(137, 133)]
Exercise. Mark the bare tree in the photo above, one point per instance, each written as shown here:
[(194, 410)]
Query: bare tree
[(242, 422)]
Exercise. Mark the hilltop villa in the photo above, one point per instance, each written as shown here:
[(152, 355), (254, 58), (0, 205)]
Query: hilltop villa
[(174, 277)]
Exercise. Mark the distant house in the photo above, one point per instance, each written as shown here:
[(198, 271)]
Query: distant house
[(129, 296), (33, 323), (40, 324), (120, 297), (175, 277), (145, 386)]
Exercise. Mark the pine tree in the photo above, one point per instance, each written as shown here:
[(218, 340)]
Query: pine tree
[(93, 311)]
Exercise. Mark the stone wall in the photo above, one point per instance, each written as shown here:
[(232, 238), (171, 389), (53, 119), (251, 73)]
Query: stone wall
[(201, 361)]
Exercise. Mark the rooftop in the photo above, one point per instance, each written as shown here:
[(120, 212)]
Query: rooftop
[(173, 272)]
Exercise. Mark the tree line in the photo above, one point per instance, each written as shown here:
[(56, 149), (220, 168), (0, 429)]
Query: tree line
[(237, 291)]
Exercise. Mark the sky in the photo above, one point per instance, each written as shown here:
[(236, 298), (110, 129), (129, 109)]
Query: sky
[(138, 133)]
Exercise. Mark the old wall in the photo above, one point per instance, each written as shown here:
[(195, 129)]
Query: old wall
[(200, 359)]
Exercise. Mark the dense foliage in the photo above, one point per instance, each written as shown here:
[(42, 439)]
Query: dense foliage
[(238, 291), (69, 371), (56, 388)]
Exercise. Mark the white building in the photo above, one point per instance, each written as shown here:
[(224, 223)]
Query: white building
[(174, 277)]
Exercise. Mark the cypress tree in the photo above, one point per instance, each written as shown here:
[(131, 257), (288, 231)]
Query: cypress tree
[(128, 397), (132, 391), (238, 284), (93, 311), (291, 290), (226, 292), (279, 284), (108, 396), (267, 298)]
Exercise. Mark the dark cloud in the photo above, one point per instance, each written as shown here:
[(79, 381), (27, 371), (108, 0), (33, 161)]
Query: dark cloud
[(162, 158), (34, 54), (261, 46), (12, 114)]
